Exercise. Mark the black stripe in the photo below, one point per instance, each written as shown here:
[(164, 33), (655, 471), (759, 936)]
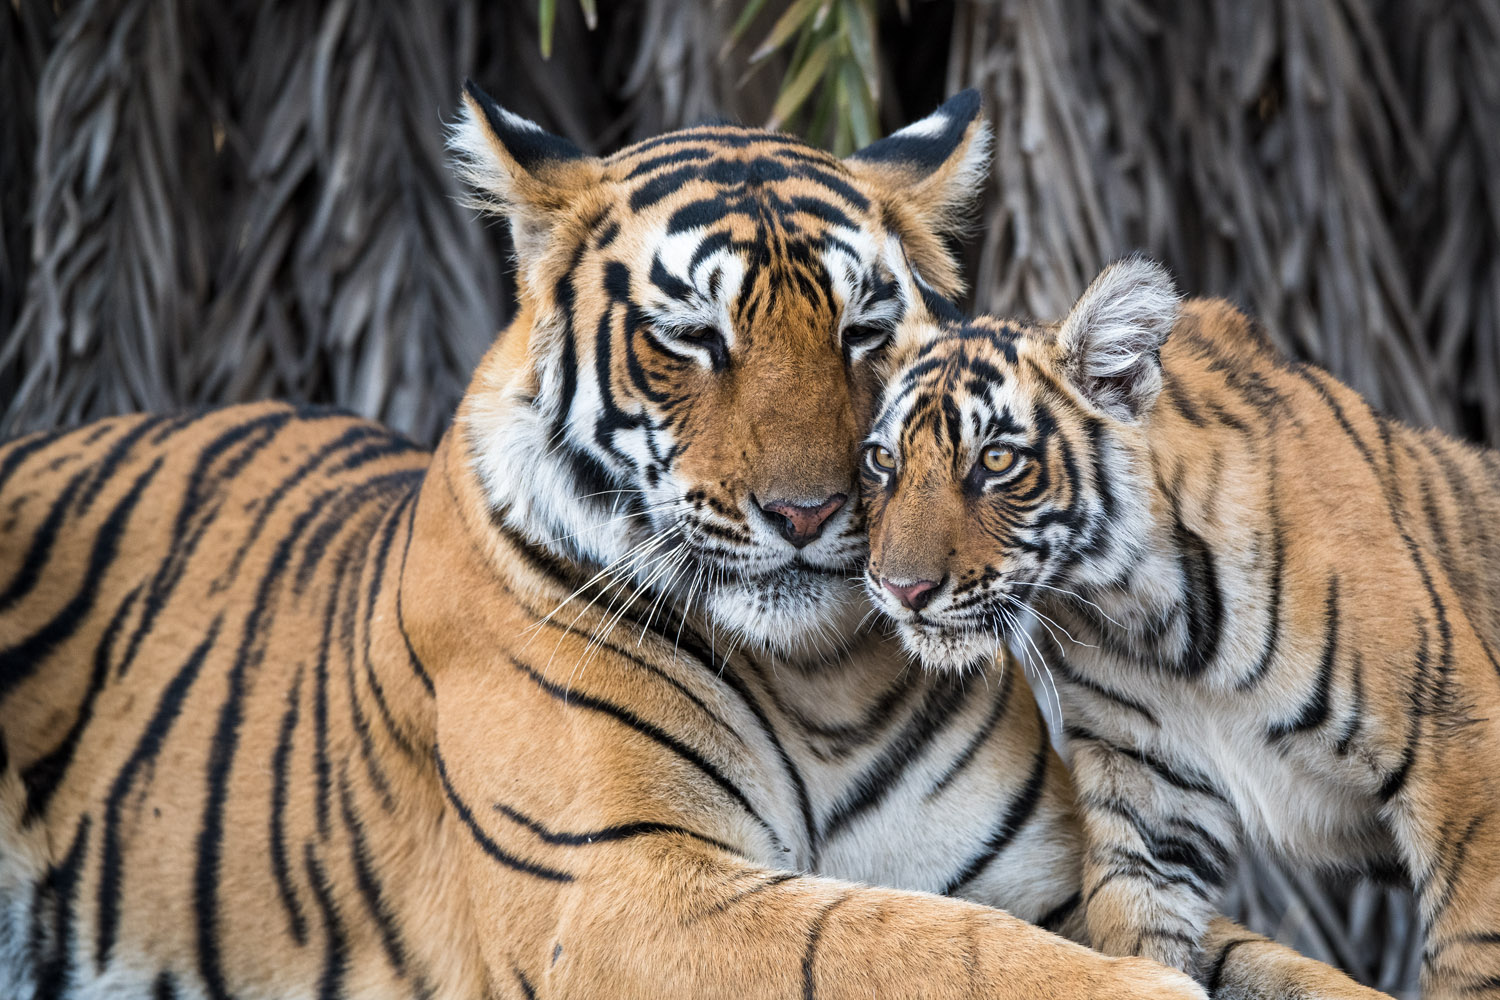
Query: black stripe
[(281, 869), (635, 659), (1061, 667), (737, 684), (43, 775), (577, 699), (417, 667), (1396, 780), (486, 844), (1356, 705), (348, 502), (322, 764), (1440, 699), (941, 704), (1017, 813), (1315, 710), (810, 951), (147, 748), (366, 877), (1205, 603), (1278, 585), (272, 500), (1216, 974), (1202, 854), (19, 662), (980, 737), (359, 543), (377, 578), (200, 507), (608, 834), (210, 842), (663, 184), (19, 450), (37, 553), (769, 882), (104, 469), (682, 154), (336, 942), (1192, 782), (52, 947)]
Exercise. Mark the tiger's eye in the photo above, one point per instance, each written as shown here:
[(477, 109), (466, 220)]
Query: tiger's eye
[(998, 459), (883, 458)]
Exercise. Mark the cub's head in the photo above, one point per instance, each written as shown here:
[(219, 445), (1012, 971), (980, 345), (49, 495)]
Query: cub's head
[(1008, 459), (703, 314)]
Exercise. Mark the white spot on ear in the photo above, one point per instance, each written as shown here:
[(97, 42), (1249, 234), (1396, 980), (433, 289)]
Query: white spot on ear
[(516, 121), (1112, 337), (929, 127)]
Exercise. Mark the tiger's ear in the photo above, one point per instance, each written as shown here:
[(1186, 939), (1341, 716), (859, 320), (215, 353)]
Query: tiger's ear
[(517, 169), (925, 176), (1111, 342)]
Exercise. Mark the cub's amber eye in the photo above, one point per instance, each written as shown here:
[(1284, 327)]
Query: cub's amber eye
[(882, 458), (998, 459)]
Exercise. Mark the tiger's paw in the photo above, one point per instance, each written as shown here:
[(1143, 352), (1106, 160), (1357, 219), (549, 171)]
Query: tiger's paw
[(1132, 978)]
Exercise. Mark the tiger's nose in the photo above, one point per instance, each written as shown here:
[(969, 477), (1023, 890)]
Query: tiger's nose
[(801, 523), (912, 595)]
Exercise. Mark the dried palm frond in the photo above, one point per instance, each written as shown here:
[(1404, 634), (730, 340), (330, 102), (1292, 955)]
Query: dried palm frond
[(349, 272), (25, 30), (215, 201), (118, 243)]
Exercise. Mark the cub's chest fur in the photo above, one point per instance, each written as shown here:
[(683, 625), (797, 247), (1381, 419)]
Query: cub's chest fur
[(1292, 796)]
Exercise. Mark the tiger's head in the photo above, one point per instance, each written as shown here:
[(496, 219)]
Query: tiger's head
[(1009, 460), (681, 396)]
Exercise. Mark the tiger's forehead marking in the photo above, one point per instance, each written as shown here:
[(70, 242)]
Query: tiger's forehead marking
[(735, 218), (956, 392)]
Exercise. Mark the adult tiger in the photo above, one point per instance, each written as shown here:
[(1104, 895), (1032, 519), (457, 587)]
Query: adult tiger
[(293, 709), (1265, 605)]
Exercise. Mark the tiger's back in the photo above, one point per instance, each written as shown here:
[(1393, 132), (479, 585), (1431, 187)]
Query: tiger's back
[(210, 580)]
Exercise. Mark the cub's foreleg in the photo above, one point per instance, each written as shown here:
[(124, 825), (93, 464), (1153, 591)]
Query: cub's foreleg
[(1159, 847), (1041, 876), (1446, 825), (1239, 965)]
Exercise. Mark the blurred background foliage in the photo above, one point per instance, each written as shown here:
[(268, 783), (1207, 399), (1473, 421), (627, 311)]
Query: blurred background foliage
[(208, 201)]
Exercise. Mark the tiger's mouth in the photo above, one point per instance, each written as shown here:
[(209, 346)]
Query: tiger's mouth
[(944, 638), (942, 646), (796, 612), (793, 605), (757, 590)]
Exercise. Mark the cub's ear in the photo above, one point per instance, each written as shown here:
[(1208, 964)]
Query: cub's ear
[(1111, 341), (517, 169), (925, 176)]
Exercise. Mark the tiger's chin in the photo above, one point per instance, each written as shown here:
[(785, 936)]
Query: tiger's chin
[(792, 613), (957, 650)]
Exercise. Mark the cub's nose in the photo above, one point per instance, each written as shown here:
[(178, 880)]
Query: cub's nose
[(911, 595), (801, 523)]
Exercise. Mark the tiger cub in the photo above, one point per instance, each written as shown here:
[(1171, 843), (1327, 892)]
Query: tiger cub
[(1268, 609)]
